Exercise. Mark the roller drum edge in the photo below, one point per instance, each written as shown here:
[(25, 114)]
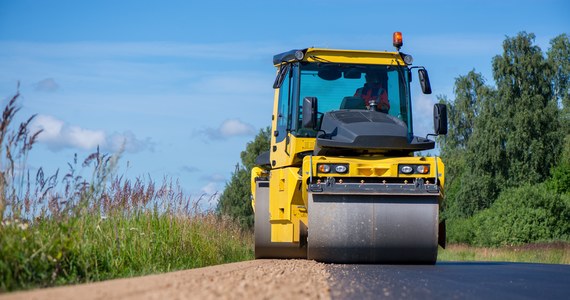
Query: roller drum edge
[(264, 248), (373, 229)]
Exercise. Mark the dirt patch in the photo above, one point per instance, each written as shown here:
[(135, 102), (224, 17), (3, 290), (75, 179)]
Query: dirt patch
[(259, 279)]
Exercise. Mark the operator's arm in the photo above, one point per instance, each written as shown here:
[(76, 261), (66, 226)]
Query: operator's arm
[(384, 104)]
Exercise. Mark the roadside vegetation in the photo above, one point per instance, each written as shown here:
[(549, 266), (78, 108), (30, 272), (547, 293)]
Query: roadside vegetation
[(507, 152), (64, 228), (547, 253)]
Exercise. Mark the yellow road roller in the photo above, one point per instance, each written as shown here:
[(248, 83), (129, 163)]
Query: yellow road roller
[(341, 182)]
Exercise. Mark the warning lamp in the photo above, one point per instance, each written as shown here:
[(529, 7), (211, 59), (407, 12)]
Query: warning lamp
[(422, 169), (397, 40), (324, 168)]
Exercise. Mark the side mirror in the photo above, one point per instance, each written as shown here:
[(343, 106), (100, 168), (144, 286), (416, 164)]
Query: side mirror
[(310, 110), (440, 118), (424, 81)]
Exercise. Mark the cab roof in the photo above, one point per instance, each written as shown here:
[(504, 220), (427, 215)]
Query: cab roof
[(340, 56)]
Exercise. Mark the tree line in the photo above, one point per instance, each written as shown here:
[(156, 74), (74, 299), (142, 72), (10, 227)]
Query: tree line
[(507, 151)]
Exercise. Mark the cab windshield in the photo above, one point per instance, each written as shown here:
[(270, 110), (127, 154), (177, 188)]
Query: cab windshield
[(349, 86)]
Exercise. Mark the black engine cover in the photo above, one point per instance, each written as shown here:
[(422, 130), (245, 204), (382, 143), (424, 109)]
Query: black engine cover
[(366, 131)]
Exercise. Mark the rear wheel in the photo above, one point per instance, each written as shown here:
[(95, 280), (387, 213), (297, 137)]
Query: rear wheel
[(264, 248)]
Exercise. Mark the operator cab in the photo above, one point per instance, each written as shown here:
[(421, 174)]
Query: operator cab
[(339, 86)]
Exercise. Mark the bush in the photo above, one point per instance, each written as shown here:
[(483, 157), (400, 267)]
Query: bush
[(460, 231), (530, 213)]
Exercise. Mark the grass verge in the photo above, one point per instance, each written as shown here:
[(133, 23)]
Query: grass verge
[(550, 253), (53, 252), (57, 230)]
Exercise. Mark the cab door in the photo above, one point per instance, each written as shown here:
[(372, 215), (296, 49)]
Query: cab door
[(283, 117)]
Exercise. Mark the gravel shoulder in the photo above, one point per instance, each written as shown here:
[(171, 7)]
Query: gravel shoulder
[(258, 279)]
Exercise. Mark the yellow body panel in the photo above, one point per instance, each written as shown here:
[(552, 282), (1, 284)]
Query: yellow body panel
[(373, 167), (376, 166), (286, 207), (256, 172)]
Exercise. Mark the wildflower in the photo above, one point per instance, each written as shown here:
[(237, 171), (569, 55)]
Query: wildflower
[(23, 226)]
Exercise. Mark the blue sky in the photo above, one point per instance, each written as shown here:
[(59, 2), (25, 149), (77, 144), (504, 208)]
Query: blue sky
[(184, 85)]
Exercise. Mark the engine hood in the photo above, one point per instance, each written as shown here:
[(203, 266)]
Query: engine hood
[(367, 131)]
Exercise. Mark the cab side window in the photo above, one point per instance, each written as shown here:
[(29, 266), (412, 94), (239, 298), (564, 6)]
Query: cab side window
[(283, 113)]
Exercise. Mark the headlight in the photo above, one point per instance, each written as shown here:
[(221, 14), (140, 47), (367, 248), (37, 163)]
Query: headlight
[(341, 169), (406, 169), (413, 169)]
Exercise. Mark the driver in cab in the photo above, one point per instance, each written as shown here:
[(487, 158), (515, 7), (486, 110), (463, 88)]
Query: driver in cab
[(374, 91)]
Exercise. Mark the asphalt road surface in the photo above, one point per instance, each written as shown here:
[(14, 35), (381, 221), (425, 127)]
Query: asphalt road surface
[(451, 280), (305, 279)]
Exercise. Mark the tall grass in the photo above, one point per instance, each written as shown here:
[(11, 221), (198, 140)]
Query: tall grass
[(62, 229), (550, 253)]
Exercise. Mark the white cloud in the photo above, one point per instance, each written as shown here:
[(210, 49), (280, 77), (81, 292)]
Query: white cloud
[(210, 189), (46, 85), (58, 135), (234, 127), (229, 128), (127, 141), (210, 195)]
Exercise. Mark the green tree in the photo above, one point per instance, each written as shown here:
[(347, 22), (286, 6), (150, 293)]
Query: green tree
[(235, 200), (505, 137), (471, 93), (484, 174), (260, 144), (528, 110), (559, 60), (507, 152), (560, 180)]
